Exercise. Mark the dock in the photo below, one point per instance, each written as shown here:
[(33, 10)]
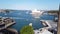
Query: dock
[(7, 22), (42, 31), (51, 24)]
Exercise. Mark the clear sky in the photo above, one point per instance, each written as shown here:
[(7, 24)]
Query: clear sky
[(30, 4)]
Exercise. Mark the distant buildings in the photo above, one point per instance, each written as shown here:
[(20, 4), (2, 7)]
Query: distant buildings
[(36, 13), (1, 10)]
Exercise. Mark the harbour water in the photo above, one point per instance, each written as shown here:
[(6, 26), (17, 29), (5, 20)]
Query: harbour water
[(23, 17)]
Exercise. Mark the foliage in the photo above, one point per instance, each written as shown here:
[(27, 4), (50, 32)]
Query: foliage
[(27, 30)]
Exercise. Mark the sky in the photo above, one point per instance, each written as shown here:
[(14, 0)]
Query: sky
[(30, 4)]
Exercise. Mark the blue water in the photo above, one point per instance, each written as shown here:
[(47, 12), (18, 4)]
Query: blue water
[(22, 18)]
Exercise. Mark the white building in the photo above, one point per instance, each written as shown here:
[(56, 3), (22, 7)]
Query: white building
[(36, 13)]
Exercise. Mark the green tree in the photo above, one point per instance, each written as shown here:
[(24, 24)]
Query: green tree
[(27, 30)]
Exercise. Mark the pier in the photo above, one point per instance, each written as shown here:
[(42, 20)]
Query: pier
[(50, 24), (7, 22)]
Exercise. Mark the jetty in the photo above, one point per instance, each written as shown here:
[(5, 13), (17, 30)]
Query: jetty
[(50, 27), (6, 23), (42, 31)]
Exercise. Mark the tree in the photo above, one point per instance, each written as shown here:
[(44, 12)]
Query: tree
[(27, 30)]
